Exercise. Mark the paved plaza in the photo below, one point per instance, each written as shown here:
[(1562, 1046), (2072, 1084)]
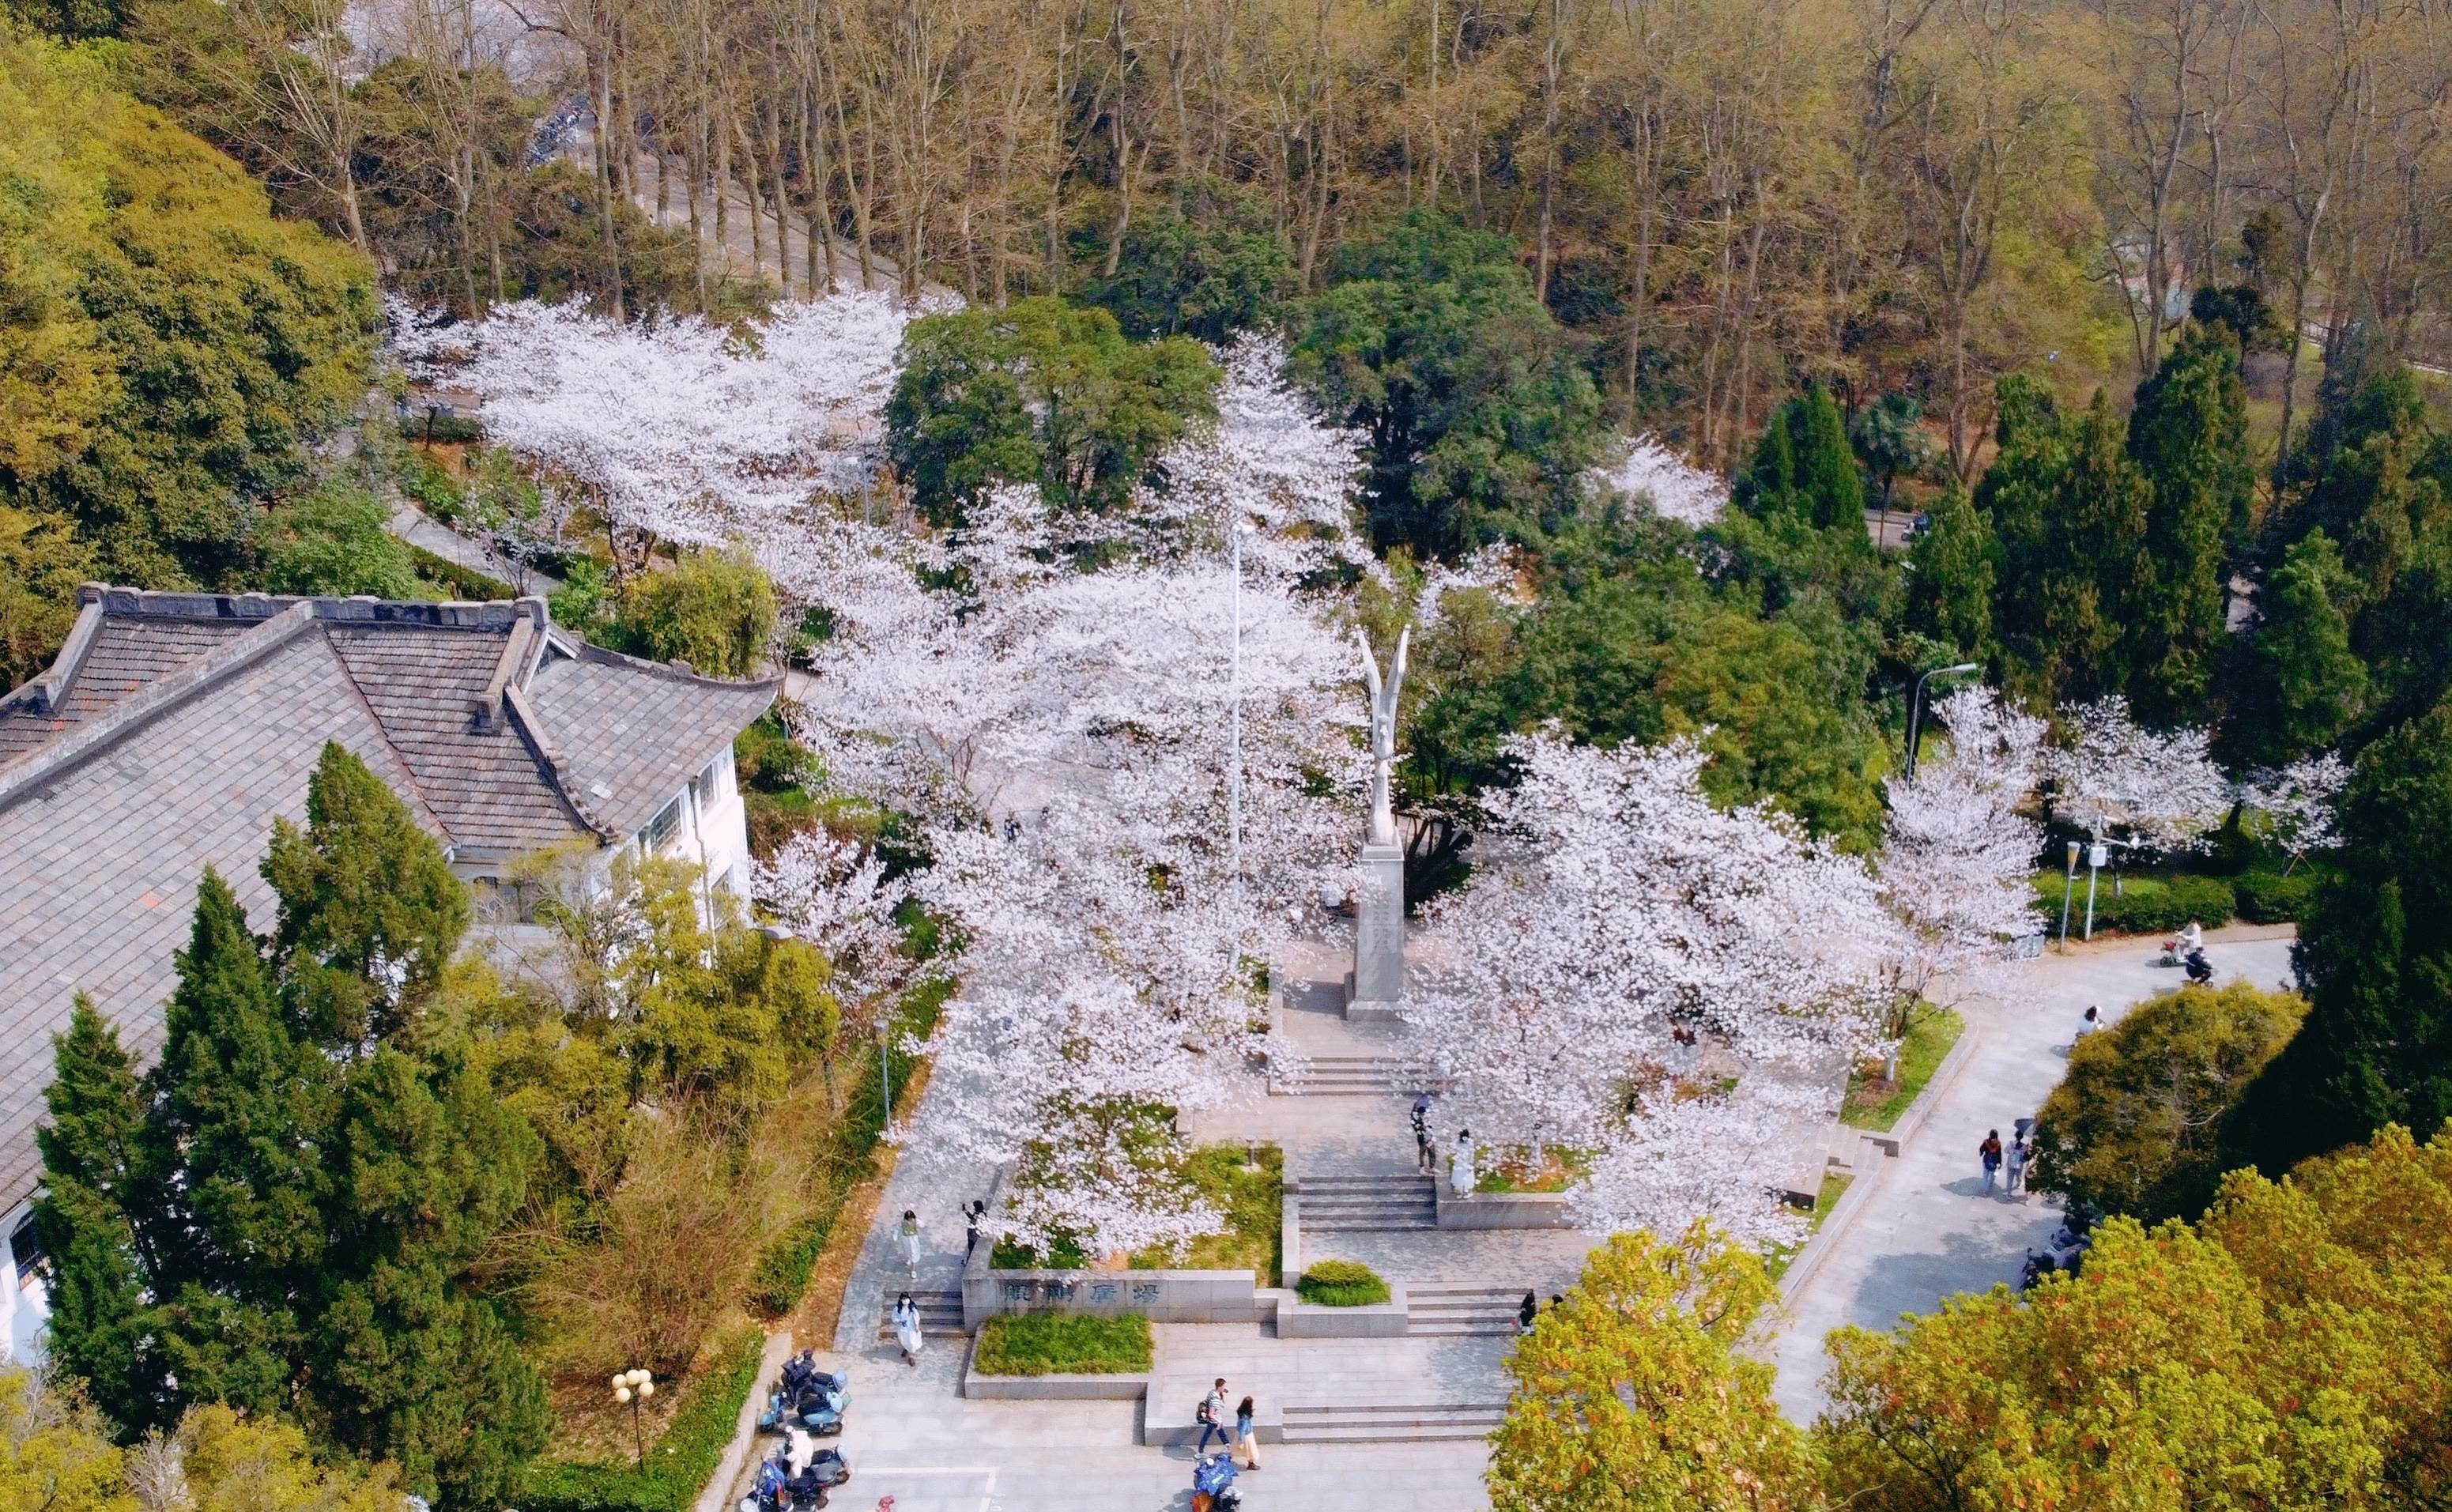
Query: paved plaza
[(1922, 1231), (1927, 1230)]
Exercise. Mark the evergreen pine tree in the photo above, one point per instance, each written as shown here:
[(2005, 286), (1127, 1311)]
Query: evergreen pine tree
[(2069, 509), (366, 896), (1826, 473), (98, 1161), (2305, 687), (2376, 957), (1950, 575), (2188, 437), (1768, 485)]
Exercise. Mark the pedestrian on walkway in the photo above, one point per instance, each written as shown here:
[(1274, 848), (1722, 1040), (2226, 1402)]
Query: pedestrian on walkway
[(1525, 1314), (907, 1329), (2016, 1157), (1461, 1175), (1989, 1151), (1425, 1158), (909, 1239), (2093, 1021), (1211, 1415), (975, 1214), (1247, 1438)]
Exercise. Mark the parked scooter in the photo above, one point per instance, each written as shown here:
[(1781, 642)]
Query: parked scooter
[(1212, 1484), (807, 1397)]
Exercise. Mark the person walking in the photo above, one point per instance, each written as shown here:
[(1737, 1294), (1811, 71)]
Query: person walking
[(1525, 1314), (907, 1329), (2015, 1158), (1211, 1415), (1461, 1174), (1247, 1438), (1989, 1152), (909, 1239), (973, 1216), (1425, 1158)]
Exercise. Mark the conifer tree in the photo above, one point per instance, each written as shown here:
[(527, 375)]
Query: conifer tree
[(2375, 958), (97, 1162), (2303, 685), (2189, 437), (1771, 480), (1826, 473), (1951, 571)]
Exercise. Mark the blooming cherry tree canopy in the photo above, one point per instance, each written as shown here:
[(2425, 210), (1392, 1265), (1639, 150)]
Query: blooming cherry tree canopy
[(2154, 791), (1961, 844)]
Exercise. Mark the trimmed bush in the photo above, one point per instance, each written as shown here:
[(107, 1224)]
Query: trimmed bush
[(678, 1464), (1342, 1284), (2147, 903), (2269, 897), (1047, 1344)]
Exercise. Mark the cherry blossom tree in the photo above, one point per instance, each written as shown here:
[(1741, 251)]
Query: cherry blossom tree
[(833, 892), (2135, 787), (1649, 472), (1641, 976), (2294, 805), (1961, 848)]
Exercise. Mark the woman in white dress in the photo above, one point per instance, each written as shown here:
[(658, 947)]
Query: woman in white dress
[(907, 1329), (908, 1239), (1462, 1177)]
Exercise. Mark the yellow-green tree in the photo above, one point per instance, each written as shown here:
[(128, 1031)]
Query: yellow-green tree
[(1628, 1396)]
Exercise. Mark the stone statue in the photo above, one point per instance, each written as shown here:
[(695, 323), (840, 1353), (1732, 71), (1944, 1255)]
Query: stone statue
[(1378, 979), (1383, 734)]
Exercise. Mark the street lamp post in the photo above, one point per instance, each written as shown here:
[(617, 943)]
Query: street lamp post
[(1916, 710), (2068, 885), (885, 1070), (632, 1388)]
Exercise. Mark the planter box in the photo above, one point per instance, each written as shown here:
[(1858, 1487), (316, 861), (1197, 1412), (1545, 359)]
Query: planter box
[(1503, 1209), (1163, 1296), (1048, 1387), (1298, 1319)]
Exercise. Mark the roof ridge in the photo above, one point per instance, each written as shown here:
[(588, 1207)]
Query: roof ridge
[(531, 727), (361, 609), (157, 697), (603, 655)]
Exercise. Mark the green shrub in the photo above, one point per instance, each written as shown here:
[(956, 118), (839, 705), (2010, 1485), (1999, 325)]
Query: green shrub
[(2146, 903), (1342, 1284), (1046, 1343), (2269, 898), (678, 1464), (459, 582)]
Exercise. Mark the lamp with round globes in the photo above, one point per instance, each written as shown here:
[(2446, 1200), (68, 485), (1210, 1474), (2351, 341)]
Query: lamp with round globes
[(631, 1389)]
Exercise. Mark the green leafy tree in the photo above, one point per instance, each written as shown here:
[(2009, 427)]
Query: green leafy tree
[(1040, 392), (337, 540), (1952, 569), (1209, 267), (41, 564), (712, 609), (1890, 436), (2188, 437), (196, 340), (2302, 687), (1480, 418), (1828, 478), (2069, 509), (2379, 488), (1630, 1393), (2132, 1128), (1769, 483), (2375, 955)]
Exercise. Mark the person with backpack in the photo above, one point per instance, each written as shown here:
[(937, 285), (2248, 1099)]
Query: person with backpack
[(1211, 1415), (909, 1241), (1989, 1152)]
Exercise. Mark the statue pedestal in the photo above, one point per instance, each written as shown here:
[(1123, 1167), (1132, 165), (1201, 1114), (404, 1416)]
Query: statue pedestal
[(1377, 982)]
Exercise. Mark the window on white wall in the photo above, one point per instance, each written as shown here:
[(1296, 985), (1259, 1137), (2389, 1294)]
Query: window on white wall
[(714, 784), (661, 829)]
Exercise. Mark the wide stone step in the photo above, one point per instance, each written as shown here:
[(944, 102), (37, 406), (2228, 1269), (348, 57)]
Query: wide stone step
[(1371, 1226), (940, 1315), (1391, 1423)]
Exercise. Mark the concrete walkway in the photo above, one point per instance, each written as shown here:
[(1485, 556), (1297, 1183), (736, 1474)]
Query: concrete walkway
[(1927, 1230)]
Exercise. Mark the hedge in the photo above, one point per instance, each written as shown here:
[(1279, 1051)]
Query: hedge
[(2146, 904), (681, 1460), (1342, 1284), (466, 583), (2269, 898), (1047, 1344)]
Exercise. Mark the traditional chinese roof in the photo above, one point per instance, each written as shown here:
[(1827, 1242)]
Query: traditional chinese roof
[(174, 727)]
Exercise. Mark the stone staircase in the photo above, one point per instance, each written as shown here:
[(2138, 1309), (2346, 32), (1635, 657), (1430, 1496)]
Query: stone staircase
[(1459, 1308), (1349, 1076), (1353, 1203), (940, 1314), (1384, 1423)]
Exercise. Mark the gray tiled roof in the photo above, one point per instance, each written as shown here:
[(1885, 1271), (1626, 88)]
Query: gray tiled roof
[(175, 728)]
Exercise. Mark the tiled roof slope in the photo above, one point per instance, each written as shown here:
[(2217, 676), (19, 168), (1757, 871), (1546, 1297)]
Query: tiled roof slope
[(174, 728)]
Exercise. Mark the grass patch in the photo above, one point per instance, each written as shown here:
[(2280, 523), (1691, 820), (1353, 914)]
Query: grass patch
[(1046, 1343), (1253, 1202), (678, 1463), (1342, 1284), (1776, 1260), (1064, 1254), (1875, 1104), (1516, 1170)]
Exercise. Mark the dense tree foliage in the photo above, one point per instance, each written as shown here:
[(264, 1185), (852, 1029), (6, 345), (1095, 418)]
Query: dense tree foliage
[(2375, 958), (2133, 1125), (714, 610), (1208, 266), (1040, 392), (1431, 340), (170, 343)]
